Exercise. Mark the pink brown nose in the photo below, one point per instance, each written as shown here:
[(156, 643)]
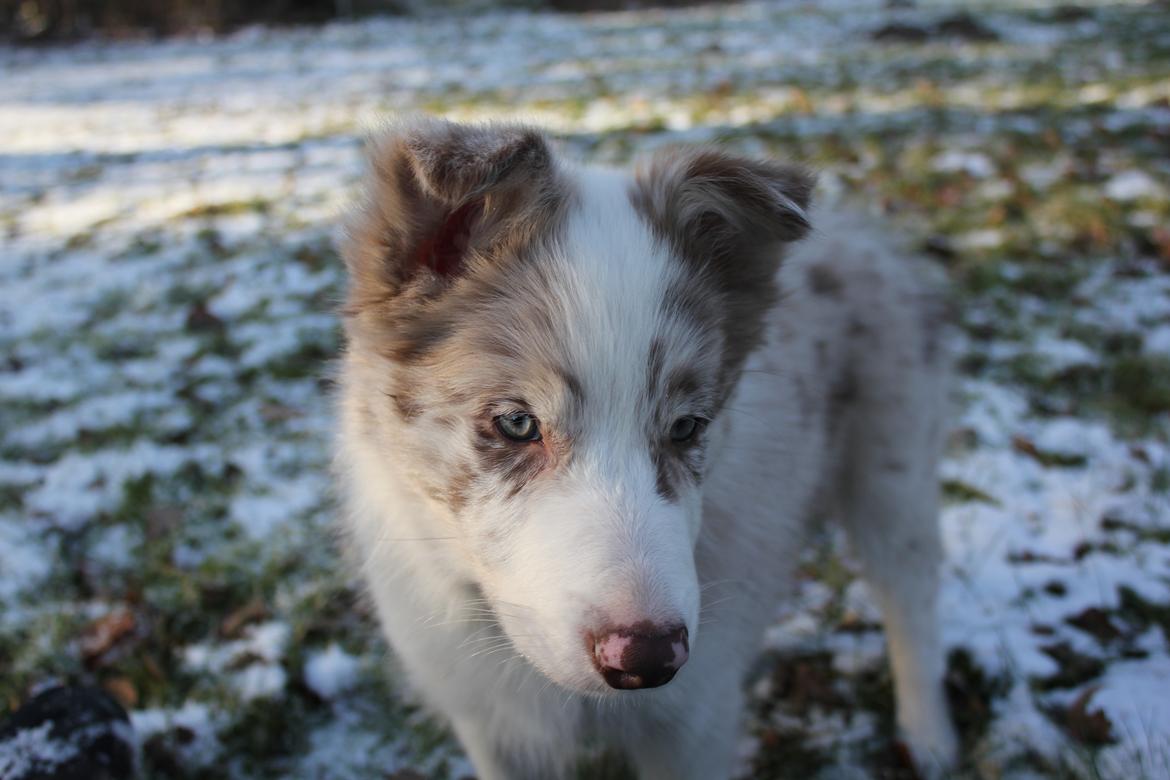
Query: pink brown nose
[(640, 656)]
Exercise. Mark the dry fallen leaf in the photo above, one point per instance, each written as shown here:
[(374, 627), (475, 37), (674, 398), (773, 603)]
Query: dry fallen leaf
[(122, 689), (1089, 727), (100, 636), (240, 617)]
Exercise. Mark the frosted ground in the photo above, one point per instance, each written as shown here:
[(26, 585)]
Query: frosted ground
[(167, 287)]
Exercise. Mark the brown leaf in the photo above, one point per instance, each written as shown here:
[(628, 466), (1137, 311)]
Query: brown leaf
[(161, 521), (1096, 623), (723, 88), (902, 761), (200, 318), (122, 689), (1025, 446), (950, 195), (802, 102), (100, 636), (1075, 668), (271, 413), (242, 616), (1090, 727), (153, 668), (807, 682), (1160, 237)]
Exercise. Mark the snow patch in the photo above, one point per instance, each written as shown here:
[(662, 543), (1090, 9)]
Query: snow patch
[(1133, 185), (331, 672)]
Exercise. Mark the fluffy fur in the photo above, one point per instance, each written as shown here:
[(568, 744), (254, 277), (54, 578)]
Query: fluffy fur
[(491, 278)]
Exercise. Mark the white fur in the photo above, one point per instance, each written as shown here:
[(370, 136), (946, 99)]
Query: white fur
[(494, 642)]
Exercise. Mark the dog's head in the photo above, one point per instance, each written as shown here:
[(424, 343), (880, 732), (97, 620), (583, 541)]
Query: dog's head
[(546, 351)]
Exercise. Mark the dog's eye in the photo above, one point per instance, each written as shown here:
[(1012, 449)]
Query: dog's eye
[(684, 429), (518, 426)]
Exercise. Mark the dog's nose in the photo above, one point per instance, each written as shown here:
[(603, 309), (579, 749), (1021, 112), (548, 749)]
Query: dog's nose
[(640, 656)]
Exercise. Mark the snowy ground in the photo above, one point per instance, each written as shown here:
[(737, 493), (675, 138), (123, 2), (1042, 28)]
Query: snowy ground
[(167, 285)]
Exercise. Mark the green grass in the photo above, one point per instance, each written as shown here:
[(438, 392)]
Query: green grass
[(874, 120)]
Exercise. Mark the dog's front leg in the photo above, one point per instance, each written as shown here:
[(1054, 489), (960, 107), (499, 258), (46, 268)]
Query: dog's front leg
[(489, 761), (494, 759), (699, 745)]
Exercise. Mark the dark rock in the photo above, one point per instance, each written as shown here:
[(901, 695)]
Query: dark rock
[(965, 27), (897, 32), (68, 733), (1068, 14), (960, 26)]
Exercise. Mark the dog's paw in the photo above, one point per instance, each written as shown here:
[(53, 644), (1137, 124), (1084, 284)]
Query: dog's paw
[(934, 747)]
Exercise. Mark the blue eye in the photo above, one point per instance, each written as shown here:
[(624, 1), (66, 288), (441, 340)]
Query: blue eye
[(684, 429), (518, 426)]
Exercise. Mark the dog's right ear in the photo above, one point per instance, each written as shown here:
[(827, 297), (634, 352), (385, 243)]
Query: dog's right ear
[(716, 207), (728, 218), (440, 197)]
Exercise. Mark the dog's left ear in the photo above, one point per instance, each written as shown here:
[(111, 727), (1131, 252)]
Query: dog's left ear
[(717, 208)]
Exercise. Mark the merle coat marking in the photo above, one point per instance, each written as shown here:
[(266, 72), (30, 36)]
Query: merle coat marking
[(710, 363)]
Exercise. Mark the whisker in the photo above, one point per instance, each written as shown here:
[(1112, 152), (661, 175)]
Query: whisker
[(488, 652), (717, 602)]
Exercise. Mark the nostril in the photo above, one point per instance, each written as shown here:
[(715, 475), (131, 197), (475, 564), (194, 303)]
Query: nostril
[(640, 656)]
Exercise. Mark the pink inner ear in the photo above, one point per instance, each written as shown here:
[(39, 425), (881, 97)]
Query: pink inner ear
[(443, 252)]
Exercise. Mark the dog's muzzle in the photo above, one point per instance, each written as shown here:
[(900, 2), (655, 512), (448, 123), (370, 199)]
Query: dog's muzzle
[(630, 658)]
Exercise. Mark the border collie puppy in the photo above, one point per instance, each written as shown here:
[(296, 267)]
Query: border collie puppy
[(586, 417)]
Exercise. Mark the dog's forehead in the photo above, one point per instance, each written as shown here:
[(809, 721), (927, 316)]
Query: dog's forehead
[(618, 272), (591, 327), (618, 286)]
